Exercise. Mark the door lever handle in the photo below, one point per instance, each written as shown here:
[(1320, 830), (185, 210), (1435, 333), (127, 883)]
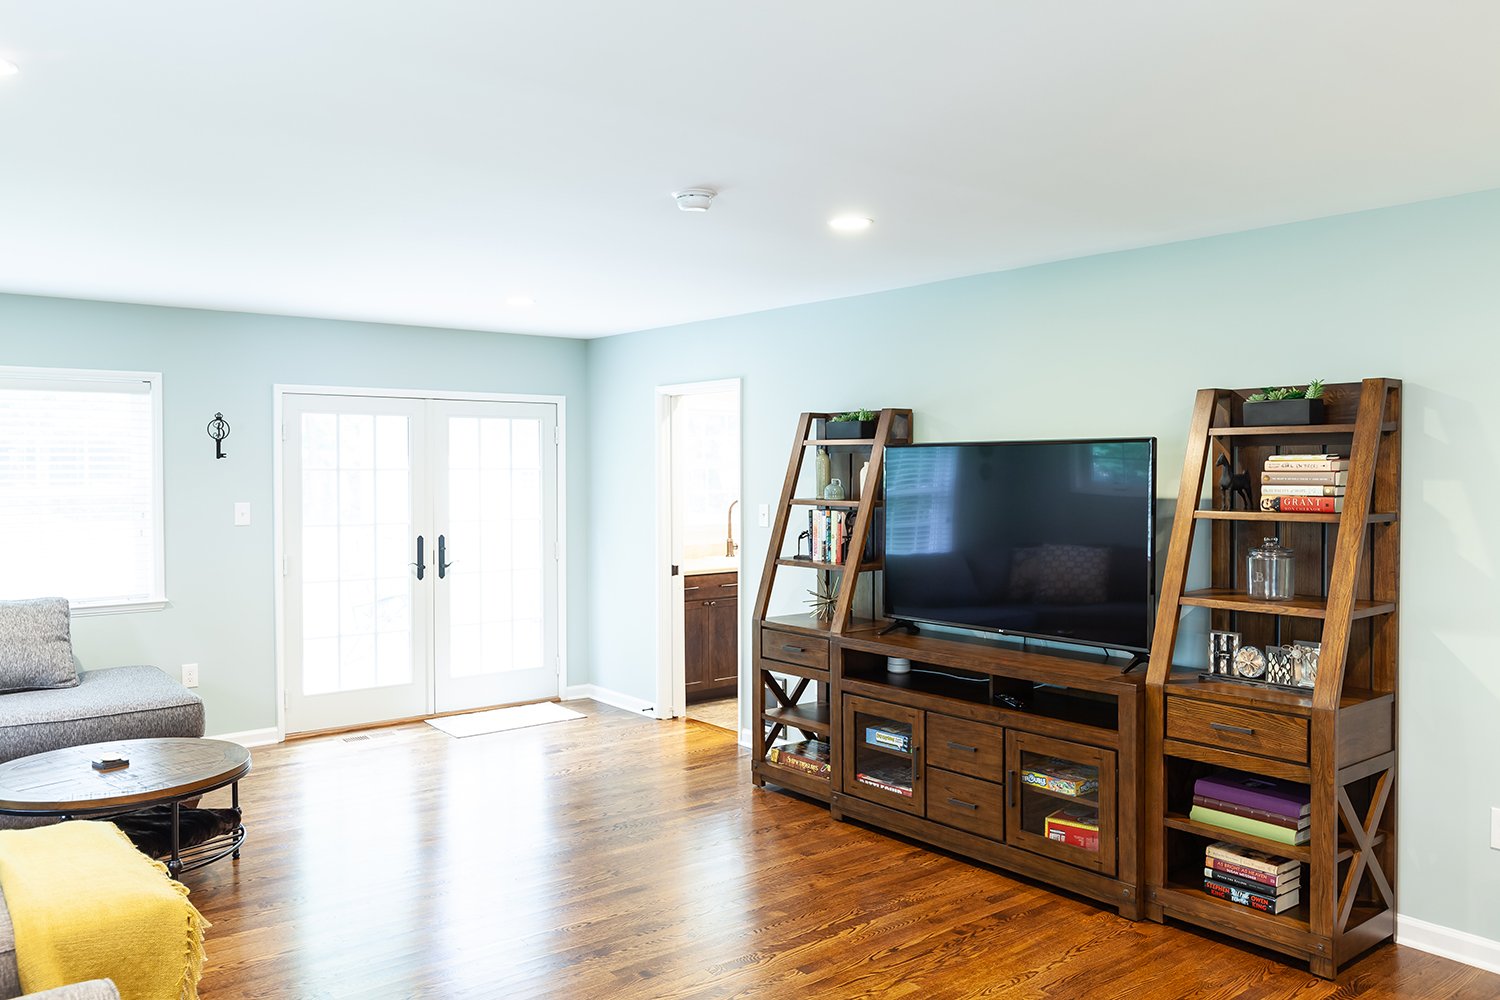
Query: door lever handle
[(442, 563), (421, 566)]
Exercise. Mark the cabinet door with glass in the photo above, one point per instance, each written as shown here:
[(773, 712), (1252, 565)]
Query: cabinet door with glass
[(883, 754), (1061, 800)]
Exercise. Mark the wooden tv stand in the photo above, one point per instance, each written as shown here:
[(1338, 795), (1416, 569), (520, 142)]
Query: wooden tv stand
[(979, 713)]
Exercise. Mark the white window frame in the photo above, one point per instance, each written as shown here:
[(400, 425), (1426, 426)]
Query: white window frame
[(158, 600)]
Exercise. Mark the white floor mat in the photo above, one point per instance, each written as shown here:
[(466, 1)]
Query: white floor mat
[(498, 720)]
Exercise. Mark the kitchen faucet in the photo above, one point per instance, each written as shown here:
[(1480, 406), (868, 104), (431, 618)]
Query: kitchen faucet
[(729, 546)]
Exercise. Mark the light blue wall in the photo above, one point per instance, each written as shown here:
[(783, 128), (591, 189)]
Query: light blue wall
[(1116, 345), (219, 577)]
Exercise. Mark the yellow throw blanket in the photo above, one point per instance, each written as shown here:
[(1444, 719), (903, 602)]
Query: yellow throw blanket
[(87, 905)]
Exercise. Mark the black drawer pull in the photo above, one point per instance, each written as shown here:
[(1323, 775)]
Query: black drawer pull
[(1223, 728), (960, 802), (960, 746), (1010, 786), (794, 649)]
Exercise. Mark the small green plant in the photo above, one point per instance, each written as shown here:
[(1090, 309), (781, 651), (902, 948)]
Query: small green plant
[(1314, 390), (854, 415)]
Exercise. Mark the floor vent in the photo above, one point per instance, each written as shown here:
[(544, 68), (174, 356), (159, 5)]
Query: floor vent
[(356, 739)]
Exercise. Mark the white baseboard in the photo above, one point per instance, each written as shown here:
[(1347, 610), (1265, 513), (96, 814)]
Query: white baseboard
[(1461, 946), (628, 702), (252, 737)]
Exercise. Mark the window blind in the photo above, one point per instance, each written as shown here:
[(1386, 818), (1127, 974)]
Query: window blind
[(79, 489)]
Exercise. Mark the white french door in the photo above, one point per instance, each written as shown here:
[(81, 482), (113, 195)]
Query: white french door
[(421, 556)]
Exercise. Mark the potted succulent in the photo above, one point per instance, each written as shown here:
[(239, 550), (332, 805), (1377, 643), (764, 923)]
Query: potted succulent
[(1285, 407), (854, 424)]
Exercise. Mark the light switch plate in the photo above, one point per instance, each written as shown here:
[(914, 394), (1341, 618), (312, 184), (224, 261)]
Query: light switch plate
[(765, 515), (1495, 828), (241, 514), (190, 675)]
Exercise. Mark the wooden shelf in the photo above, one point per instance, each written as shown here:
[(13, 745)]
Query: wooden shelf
[(902, 754), (808, 718), (848, 504), (816, 626), (864, 567), (1088, 800), (1266, 515), (1296, 918), (1294, 431), (1300, 607), (835, 442), (1177, 821)]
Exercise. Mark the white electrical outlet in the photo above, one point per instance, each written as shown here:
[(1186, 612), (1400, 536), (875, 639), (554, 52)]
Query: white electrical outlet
[(765, 515), (190, 675), (241, 514), (1495, 828)]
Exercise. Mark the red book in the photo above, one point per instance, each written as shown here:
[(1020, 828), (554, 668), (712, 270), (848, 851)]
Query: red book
[(1303, 505)]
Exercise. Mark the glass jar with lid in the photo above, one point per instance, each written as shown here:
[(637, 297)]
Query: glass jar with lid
[(1270, 571)]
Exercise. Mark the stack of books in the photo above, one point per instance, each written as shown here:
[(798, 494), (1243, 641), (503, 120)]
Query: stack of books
[(1252, 878), (1304, 484), (1262, 807), (890, 735), (808, 756), (890, 777)]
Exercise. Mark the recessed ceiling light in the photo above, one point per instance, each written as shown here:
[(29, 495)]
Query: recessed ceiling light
[(850, 222), (520, 301), (8, 68)]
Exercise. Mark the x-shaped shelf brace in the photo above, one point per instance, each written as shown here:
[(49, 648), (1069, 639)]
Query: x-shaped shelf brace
[(1363, 830), (784, 700)]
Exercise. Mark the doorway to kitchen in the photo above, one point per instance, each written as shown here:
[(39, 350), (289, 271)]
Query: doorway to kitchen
[(698, 535)]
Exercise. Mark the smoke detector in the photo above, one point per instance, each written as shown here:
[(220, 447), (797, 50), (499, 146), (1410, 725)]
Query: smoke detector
[(695, 199)]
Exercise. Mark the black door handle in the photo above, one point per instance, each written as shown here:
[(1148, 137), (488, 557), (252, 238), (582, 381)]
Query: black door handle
[(443, 564), (421, 566)]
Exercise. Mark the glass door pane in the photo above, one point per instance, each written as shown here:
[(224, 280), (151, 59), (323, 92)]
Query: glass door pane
[(354, 643), (495, 603), (1062, 800), (882, 759)]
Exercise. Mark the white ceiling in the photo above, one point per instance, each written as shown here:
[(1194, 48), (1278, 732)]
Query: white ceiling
[(420, 162)]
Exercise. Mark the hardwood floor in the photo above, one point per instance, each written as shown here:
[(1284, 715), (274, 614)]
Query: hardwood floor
[(721, 712), (624, 858)]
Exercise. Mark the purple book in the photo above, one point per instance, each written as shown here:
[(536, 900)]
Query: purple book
[(1285, 798)]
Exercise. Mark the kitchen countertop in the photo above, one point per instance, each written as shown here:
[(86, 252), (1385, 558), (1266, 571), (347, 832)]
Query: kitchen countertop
[(723, 564)]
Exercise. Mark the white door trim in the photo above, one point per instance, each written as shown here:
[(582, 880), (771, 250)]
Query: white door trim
[(670, 679), (278, 545)]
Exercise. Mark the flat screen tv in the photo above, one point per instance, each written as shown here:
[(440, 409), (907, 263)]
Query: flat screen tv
[(1046, 539)]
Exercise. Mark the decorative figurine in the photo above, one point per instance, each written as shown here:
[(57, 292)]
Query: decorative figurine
[(1233, 484)]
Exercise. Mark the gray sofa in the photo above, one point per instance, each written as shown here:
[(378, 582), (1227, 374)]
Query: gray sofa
[(65, 708)]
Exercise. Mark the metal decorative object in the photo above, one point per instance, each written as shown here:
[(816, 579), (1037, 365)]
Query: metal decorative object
[(825, 599), (218, 429), (1305, 656), (1222, 646), (1232, 484), (1279, 668), (1249, 662)]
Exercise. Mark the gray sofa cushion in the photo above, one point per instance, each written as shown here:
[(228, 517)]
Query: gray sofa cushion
[(120, 703), (36, 648), (94, 989)]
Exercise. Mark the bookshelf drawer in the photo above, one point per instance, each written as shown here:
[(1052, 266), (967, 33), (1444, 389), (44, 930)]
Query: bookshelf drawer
[(790, 647), (971, 748), (1247, 730), (966, 803)]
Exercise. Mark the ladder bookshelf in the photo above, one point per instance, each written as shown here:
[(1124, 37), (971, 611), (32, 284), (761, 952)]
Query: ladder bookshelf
[(1338, 737), (797, 646)]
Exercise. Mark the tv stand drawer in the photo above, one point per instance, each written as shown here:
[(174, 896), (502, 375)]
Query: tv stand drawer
[(967, 747), (966, 803), (793, 647)]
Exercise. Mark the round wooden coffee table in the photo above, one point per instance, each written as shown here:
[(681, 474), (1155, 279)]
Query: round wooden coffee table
[(65, 783)]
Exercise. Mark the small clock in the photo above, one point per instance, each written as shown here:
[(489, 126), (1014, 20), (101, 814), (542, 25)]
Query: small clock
[(1248, 662)]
